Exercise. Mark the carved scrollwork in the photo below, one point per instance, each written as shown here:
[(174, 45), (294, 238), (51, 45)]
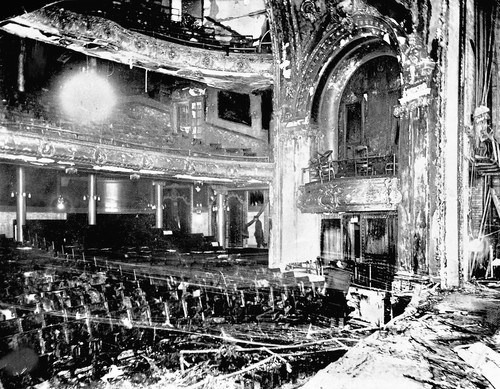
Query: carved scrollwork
[(380, 193), (310, 10), (207, 61)]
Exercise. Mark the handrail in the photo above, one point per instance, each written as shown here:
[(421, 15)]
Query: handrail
[(376, 165)]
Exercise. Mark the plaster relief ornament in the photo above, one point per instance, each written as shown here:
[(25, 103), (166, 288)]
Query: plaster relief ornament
[(339, 9), (310, 10), (147, 162), (417, 66), (46, 149), (100, 157), (207, 61), (72, 152), (395, 195)]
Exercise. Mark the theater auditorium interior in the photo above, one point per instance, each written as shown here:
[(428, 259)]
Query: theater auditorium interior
[(249, 194)]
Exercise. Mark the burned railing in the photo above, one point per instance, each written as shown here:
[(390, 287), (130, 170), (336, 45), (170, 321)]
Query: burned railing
[(324, 169), (168, 23)]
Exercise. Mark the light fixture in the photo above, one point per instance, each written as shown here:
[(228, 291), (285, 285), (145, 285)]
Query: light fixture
[(198, 185), (198, 208), (60, 203), (14, 194), (96, 198)]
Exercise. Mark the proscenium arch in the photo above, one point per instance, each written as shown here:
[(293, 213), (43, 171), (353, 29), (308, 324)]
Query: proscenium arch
[(325, 113), (335, 46)]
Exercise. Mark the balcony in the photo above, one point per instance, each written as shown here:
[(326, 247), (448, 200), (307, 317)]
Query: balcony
[(323, 168), (158, 42)]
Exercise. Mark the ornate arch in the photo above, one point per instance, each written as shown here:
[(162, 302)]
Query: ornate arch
[(361, 33)]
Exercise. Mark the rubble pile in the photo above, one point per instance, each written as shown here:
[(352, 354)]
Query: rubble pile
[(445, 339)]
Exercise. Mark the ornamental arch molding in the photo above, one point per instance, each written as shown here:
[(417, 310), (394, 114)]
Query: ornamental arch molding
[(361, 36)]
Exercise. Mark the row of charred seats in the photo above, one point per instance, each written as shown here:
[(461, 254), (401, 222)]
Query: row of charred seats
[(71, 310)]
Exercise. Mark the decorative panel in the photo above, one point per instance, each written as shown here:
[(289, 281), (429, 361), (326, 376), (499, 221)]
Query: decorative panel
[(350, 195)]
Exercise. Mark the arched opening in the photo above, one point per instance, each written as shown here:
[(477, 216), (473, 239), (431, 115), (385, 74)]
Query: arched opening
[(367, 129), (354, 105), (353, 110)]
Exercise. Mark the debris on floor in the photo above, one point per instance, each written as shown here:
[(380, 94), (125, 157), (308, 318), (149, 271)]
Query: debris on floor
[(445, 339)]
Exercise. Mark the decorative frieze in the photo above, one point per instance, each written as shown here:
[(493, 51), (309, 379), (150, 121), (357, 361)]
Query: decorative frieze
[(58, 152)]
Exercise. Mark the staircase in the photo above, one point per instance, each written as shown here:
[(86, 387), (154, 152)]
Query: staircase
[(488, 164)]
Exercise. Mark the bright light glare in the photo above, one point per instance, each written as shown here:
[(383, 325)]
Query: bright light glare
[(87, 97), (60, 203), (476, 245)]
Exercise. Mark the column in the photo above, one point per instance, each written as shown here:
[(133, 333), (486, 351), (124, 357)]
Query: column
[(21, 203), (450, 275), (295, 235), (92, 199), (221, 219), (159, 204)]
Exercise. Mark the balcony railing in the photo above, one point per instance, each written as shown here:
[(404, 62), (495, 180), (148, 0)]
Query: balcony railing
[(154, 19), (324, 169)]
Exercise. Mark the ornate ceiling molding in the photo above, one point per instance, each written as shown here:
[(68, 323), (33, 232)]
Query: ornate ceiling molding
[(342, 195), (60, 153), (99, 37)]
